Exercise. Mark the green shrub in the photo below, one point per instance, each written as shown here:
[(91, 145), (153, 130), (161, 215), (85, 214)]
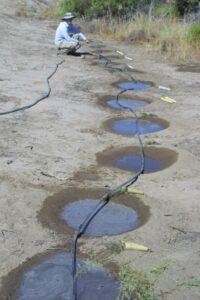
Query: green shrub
[(193, 34), (98, 7), (166, 10), (185, 6), (115, 247), (126, 7), (135, 285), (78, 7)]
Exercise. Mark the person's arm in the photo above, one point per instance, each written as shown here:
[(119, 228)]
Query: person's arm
[(82, 37)]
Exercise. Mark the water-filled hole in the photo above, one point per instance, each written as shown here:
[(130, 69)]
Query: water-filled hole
[(128, 101), (54, 207), (131, 126), (131, 162), (129, 158), (134, 85), (50, 279), (111, 220), (125, 103), (189, 68), (103, 64)]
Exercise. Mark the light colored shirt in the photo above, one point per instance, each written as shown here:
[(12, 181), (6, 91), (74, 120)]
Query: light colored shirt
[(62, 34)]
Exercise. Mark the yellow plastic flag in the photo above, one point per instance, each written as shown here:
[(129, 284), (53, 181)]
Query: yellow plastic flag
[(168, 99), (134, 246), (134, 191)]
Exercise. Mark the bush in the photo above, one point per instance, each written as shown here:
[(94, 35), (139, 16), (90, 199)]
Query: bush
[(166, 10), (193, 34), (76, 6), (135, 285), (101, 8), (126, 7), (185, 6)]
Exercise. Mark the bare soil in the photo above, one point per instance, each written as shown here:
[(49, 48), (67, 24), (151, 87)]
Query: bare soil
[(52, 147)]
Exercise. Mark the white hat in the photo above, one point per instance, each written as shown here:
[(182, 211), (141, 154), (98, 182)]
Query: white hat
[(67, 16)]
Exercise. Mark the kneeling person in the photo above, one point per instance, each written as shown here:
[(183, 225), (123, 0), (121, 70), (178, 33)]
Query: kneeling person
[(69, 36)]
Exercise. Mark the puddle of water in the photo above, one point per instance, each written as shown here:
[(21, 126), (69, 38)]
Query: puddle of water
[(51, 280), (103, 64), (132, 162), (128, 158), (111, 220), (131, 126), (125, 103), (138, 86), (189, 68), (50, 214)]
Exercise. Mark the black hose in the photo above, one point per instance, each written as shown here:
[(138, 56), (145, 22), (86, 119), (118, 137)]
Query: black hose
[(40, 99), (107, 196), (108, 62)]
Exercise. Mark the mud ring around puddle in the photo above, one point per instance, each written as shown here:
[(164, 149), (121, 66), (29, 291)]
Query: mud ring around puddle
[(50, 214), (103, 100), (167, 157), (130, 130), (14, 281)]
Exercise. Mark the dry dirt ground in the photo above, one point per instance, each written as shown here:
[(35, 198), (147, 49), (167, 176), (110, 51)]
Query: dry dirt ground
[(52, 147)]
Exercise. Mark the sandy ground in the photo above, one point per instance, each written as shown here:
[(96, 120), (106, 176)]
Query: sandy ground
[(52, 147)]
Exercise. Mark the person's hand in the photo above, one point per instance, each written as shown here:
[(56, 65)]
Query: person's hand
[(82, 43)]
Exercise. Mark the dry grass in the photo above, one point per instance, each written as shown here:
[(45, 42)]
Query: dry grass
[(168, 36)]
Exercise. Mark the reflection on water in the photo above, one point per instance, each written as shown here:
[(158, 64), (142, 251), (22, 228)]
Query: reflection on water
[(132, 126), (138, 86), (112, 219), (52, 280), (131, 162), (125, 103)]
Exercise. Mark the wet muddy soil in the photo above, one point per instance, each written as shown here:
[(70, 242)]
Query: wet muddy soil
[(133, 126), (50, 214), (129, 158)]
